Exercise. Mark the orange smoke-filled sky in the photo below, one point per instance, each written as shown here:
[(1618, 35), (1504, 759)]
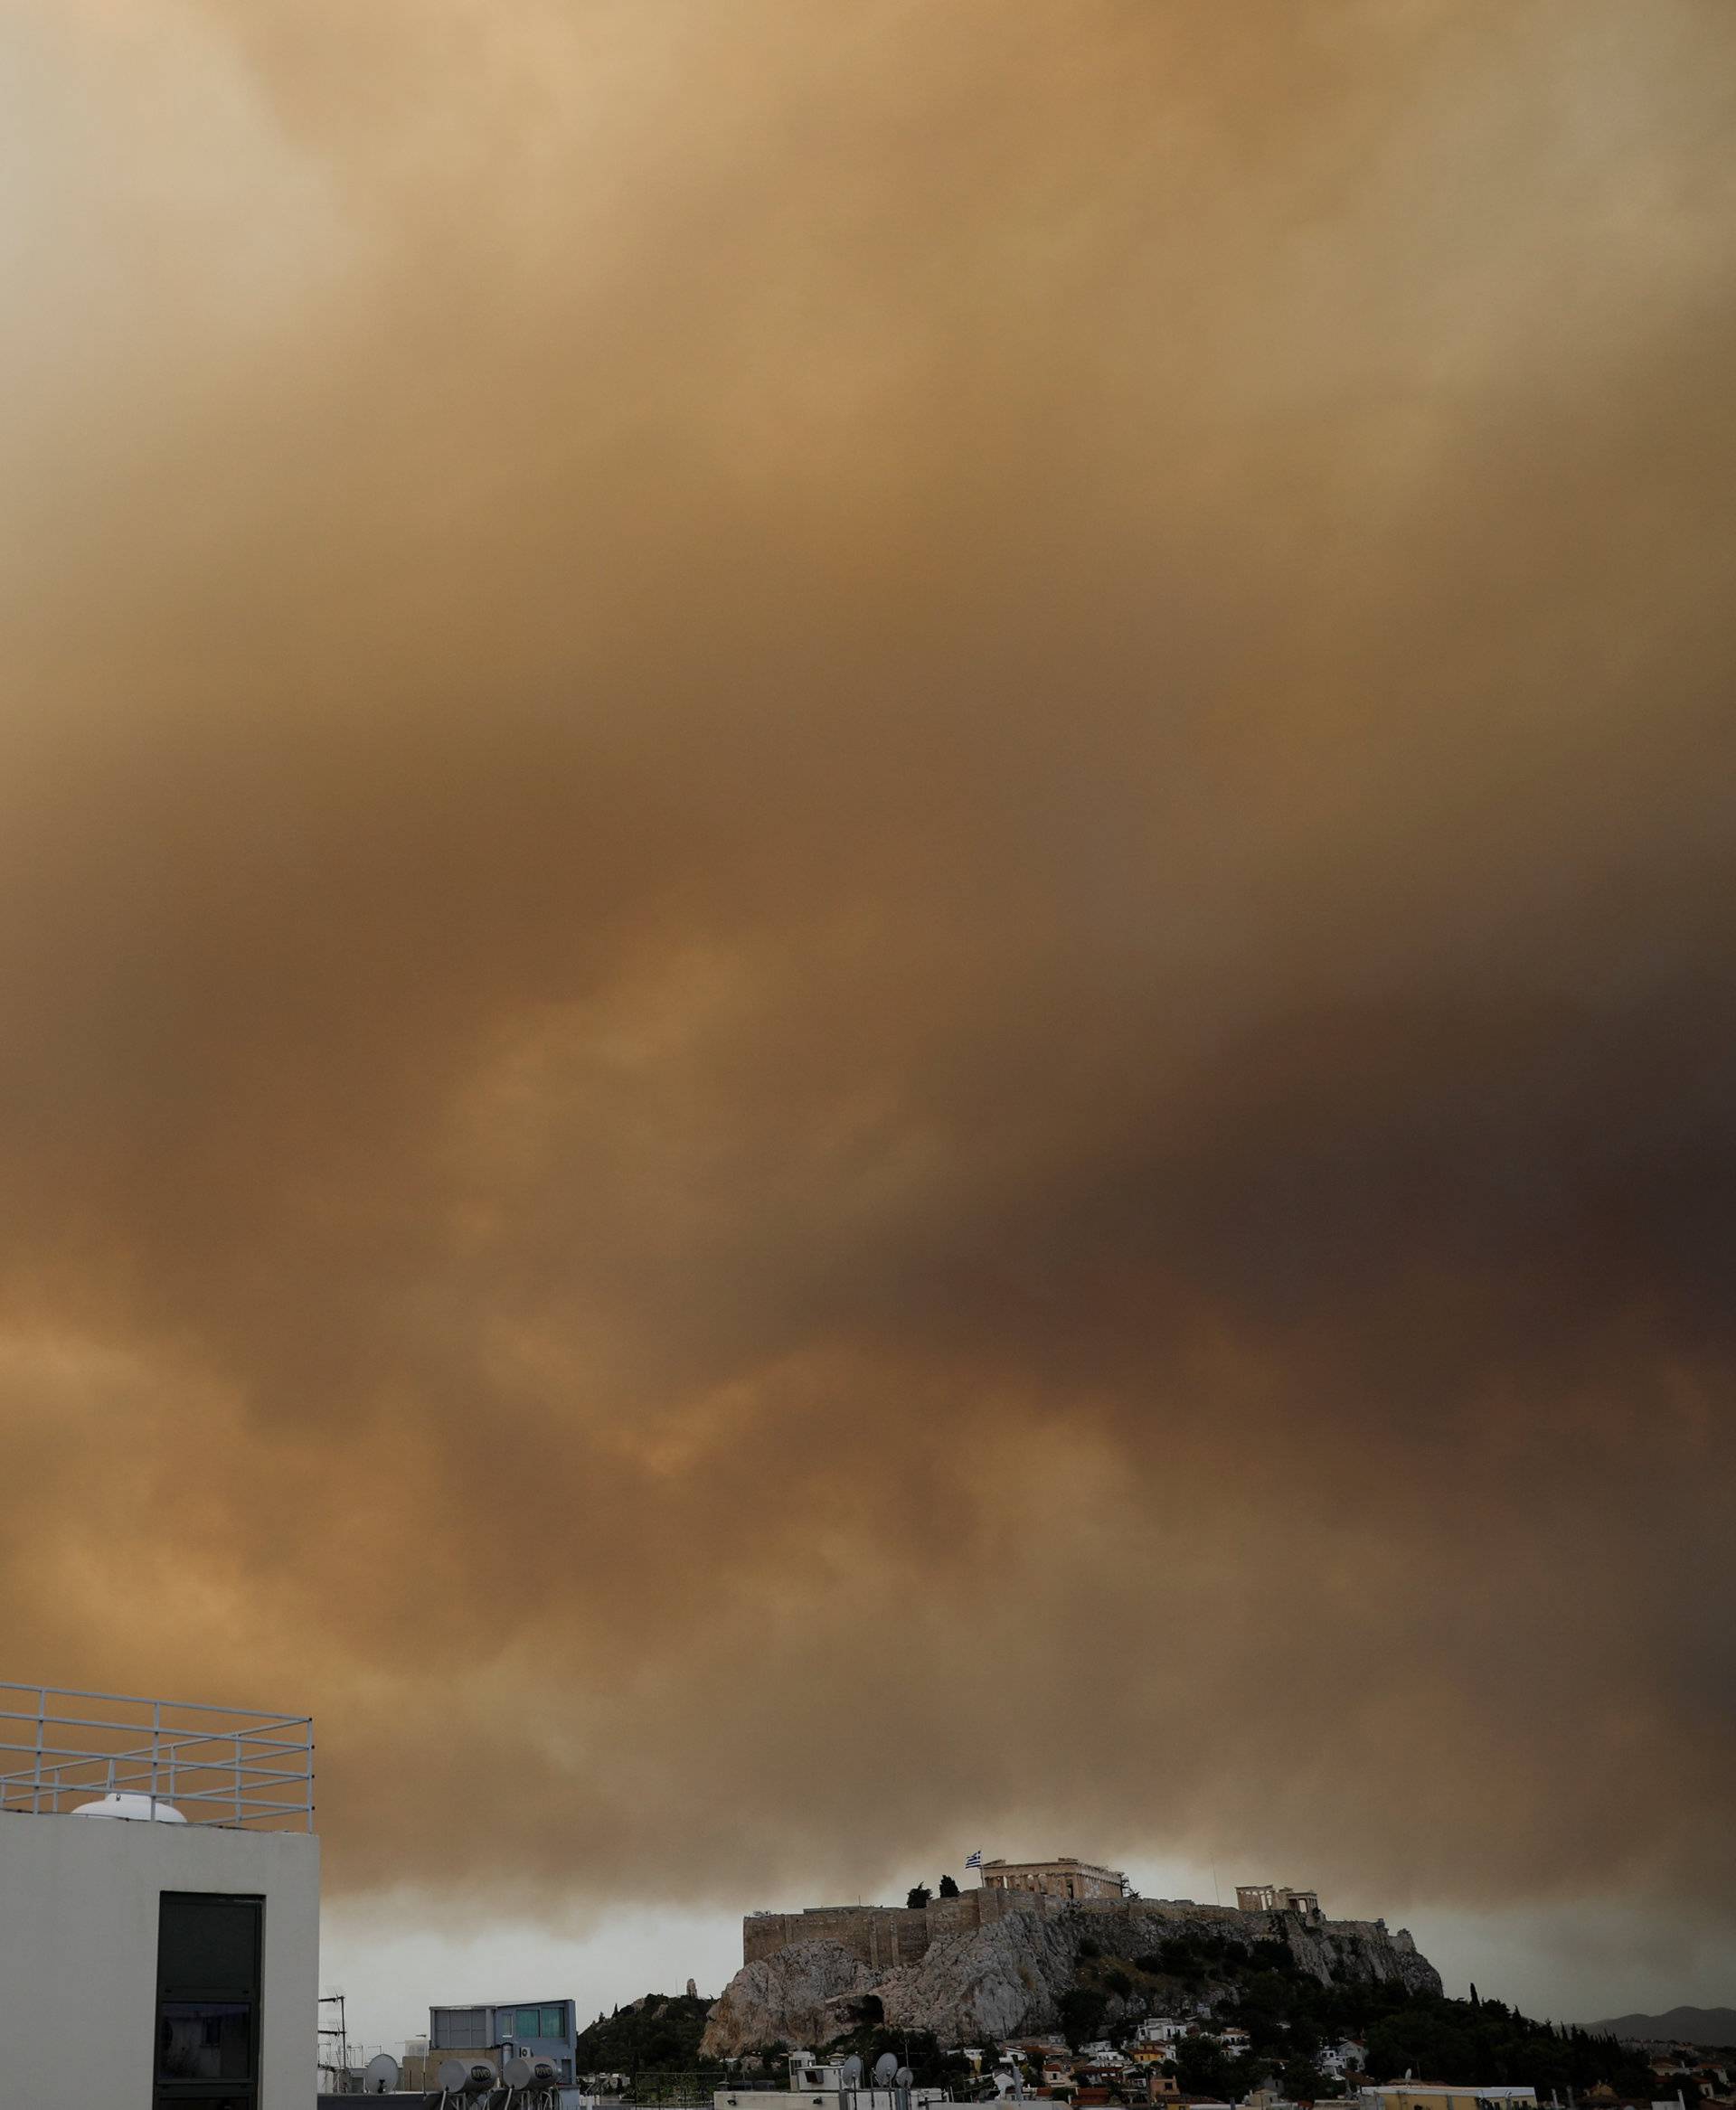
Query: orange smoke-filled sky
[(873, 864)]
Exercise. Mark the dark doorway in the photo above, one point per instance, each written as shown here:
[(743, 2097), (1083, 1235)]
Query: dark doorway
[(208, 1956)]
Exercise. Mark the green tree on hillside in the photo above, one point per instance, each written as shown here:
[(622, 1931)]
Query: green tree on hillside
[(659, 2033), (1302, 2080), (1082, 2008), (1205, 2068), (932, 2064)]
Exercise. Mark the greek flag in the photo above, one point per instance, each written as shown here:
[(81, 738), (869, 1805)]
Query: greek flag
[(973, 1860)]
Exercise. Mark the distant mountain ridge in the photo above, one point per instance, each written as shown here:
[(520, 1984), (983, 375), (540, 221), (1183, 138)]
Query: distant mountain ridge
[(1691, 2025)]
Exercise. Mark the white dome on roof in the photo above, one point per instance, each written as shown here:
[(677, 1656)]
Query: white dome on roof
[(131, 1805)]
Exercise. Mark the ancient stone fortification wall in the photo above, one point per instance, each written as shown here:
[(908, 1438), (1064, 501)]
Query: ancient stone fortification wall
[(883, 1937), (886, 1936)]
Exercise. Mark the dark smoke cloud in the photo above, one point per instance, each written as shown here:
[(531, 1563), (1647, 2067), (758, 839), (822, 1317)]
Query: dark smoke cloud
[(873, 867)]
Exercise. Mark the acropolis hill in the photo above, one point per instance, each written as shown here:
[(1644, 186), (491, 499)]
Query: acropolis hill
[(992, 1962)]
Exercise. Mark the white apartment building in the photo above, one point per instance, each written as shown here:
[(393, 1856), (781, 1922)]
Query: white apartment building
[(159, 1904)]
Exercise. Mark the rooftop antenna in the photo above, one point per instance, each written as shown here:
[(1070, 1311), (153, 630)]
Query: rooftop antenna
[(341, 2032)]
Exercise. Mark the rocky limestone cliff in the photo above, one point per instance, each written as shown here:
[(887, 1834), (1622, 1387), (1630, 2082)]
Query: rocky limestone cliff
[(1006, 1979), (802, 1996)]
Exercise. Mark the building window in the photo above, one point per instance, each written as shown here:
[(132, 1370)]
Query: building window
[(208, 1985), (204, 2041)]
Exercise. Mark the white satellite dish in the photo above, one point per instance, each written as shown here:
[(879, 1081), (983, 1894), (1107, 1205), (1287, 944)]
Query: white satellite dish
[(380, 2076), (903, 2078), (452, 2075), (885, 2067), (853, 2072)]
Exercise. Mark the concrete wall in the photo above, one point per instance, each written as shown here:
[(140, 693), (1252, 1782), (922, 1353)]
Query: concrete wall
[(77, 1953)]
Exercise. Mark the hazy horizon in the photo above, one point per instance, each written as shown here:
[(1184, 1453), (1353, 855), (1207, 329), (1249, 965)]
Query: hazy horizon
[(1578, 1964)]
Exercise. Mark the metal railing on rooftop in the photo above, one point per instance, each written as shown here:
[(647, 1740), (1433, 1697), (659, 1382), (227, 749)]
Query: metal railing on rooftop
[(235, 1766)]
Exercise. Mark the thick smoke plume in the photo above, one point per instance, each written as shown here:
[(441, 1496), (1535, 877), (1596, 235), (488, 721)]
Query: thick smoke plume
[(866, 927)]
